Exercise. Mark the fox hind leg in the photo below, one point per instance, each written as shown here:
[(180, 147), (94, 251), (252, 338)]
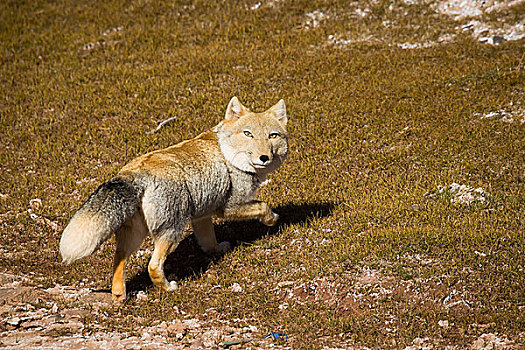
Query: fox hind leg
[(163, 247), (129, 238)]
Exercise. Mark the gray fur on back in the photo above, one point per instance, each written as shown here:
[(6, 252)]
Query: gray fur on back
[(169, 204)]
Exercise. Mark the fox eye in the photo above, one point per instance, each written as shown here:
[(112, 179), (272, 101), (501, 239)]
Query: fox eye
[(247, 133), (274, 135)]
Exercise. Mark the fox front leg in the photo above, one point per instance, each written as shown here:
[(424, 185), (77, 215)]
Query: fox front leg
[(252, 210), (203, 230)]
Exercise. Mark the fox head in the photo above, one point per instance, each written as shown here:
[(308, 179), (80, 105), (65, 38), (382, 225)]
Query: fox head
[(254, 142)]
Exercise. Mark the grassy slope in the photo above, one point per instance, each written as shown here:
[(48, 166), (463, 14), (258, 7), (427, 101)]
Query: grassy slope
[(374, 128)]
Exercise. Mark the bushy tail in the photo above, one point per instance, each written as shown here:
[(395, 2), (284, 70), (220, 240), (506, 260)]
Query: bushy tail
[(102, 214)]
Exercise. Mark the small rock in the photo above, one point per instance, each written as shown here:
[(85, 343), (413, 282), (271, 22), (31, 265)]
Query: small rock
[(14, 322), (141, 295), (192, 323), (54, 308), (253, 329), (35, 203), (236, 288), (415, 207), (145, 336), (177, 330), (443, 323), (284, 284), (209, 339)]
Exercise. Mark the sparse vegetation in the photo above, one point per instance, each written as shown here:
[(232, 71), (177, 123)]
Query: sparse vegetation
[(362, 255)]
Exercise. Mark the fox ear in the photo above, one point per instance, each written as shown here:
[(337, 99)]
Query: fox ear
[(279, 111), (234, 109)]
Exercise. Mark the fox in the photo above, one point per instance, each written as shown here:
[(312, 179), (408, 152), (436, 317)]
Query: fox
[(215, 174)]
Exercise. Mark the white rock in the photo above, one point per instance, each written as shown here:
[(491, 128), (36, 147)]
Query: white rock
[(284, 284), (236, 287), (255, 6), (141, 295), (35, 203), (443, 323)]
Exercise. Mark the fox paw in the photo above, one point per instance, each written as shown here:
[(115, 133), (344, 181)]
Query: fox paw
[(172, 286), (118, 293), (118, 298), (272, 220)]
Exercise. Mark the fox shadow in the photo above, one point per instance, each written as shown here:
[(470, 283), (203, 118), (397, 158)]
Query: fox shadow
[(189, 260)]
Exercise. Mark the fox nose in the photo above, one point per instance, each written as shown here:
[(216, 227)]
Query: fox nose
[(264, 158)]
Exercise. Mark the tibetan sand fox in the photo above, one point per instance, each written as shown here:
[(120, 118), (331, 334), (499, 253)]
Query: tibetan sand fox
[(216, 173)]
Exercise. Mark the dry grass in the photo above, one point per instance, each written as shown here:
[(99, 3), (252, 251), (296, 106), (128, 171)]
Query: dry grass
[(370, 258)]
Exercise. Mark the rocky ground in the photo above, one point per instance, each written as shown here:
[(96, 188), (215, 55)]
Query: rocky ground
[(32, 316), (480, 19)]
